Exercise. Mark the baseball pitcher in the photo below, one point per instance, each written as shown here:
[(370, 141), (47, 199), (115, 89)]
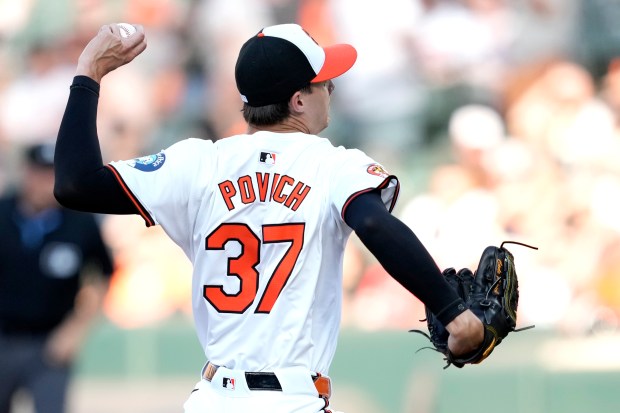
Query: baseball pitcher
[(263, 217)]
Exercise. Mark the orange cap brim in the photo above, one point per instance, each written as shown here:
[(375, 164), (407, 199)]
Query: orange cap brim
[(338, 59)]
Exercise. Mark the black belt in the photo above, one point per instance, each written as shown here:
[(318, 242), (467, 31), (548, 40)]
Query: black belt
[(269, 381), (262, 381)]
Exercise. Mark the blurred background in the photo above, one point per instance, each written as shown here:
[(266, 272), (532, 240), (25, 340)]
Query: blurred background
[(500, 117)]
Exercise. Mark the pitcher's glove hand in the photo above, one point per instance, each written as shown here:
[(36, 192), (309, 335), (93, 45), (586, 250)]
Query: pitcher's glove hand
[(491, 293)]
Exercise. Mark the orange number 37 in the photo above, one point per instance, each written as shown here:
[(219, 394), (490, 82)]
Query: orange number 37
[(244, 265)]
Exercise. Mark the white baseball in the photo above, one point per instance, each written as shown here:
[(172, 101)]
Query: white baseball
[(126, 29)]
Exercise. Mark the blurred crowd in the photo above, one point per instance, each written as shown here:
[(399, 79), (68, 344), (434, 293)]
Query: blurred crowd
[(500, 117)]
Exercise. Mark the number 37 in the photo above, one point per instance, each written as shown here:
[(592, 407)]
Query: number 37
[(244, 265)]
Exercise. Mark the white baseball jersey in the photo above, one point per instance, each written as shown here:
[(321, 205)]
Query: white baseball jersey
[(261, 218)]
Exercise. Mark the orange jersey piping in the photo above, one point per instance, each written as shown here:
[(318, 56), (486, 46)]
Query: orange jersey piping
[(141, 210), (383, 185)]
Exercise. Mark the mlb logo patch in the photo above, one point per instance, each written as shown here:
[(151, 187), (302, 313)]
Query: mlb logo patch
[(228, 383), (268, 158)]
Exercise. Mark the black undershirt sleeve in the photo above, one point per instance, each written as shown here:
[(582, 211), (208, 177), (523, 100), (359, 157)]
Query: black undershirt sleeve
[(82, 182), (402, 255)]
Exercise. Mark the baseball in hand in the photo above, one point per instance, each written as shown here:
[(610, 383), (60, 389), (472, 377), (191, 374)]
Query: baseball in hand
[(126, 29)]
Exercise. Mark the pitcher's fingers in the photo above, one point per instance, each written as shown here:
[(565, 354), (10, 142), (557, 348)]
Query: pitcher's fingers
[(136, 38), (136, 50)]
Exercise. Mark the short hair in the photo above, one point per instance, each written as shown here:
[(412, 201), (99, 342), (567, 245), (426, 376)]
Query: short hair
[(270, 114)]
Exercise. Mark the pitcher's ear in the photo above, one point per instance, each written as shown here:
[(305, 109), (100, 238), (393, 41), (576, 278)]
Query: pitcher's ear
[(296, 102)]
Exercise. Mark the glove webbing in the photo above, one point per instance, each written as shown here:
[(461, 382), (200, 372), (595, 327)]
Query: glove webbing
[(490, 339)]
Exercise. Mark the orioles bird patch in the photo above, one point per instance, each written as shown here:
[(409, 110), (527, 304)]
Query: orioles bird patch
[(378, 170)]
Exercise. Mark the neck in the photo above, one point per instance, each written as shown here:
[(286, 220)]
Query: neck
[(31, 206), (31, 209), (288, 125)]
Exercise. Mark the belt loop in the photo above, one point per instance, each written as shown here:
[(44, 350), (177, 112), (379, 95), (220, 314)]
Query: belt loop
[(323, 385), (209, 372)]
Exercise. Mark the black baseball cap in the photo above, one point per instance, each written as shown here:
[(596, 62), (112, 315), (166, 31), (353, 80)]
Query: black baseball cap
[(41, 154), (279, 60)]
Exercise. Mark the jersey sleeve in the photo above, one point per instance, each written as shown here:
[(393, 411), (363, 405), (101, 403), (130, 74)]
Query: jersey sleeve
[(162, 186), (356, 174)]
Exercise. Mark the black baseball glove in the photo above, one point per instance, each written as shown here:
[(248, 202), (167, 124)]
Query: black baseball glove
[(491, 293)]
